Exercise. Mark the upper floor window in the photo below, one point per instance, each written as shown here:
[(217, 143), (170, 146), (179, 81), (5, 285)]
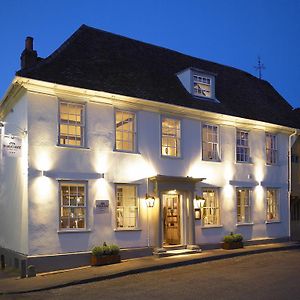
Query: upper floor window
[(71, 124), (202, 86), (242, 146), (170, 137), (272, 205), (72, 205), (210, 142), (271, 149), (127, 206), (211, 210), (125, 131), (244, 205)]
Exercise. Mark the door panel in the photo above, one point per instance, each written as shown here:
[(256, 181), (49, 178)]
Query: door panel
[(171, 219)]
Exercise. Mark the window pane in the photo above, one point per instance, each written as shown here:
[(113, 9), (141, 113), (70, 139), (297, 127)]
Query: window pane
[(73, 206), (210, 144), (170, 139), (125, 131), (126, 210), (71, 127)]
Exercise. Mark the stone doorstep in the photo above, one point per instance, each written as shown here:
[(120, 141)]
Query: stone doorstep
[(176, 250)]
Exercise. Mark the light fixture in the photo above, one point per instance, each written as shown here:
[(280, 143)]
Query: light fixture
[(149, 200), (101, 175)]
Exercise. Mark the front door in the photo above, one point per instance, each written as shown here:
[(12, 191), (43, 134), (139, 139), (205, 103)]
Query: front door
[(171, 213)]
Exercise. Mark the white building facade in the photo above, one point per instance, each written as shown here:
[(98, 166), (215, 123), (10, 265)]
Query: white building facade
[(90, 158)]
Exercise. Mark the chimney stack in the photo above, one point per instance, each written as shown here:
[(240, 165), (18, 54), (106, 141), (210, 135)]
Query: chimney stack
[(29, 56)]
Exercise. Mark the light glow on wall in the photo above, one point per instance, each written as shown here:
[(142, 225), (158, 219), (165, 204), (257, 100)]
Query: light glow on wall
[(43, 161)]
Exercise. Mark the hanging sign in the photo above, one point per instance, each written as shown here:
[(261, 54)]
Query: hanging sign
[(12, 146)]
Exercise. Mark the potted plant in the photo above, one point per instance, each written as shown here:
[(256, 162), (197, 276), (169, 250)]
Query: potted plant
[(232, 241), (105, 255)]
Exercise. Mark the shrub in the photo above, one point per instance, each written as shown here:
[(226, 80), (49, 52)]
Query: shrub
[(114, 249), (97, 251), (232, 238), (105, 250)]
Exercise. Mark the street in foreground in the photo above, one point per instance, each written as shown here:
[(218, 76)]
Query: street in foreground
[(272, 275)]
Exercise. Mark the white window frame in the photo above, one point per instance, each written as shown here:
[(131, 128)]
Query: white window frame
[(241, 218), (207, 210), (177, 138), (134, 132), (82, 124), (206, 144), (119, 208), (271, 153), (274, 206), (77, 183), (243, 147), (206, 81)]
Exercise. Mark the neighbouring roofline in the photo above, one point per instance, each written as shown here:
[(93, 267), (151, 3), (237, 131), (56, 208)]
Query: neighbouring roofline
[(69, 92)]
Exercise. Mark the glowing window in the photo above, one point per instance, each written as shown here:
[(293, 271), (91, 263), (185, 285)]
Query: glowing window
[(170, 137), (210, 142), (271, 149), (202, 86), (72, 205), (242, 146), (71, 124), (272, 205), (211, 210), (243, 205), (127, 206), (125, 131)]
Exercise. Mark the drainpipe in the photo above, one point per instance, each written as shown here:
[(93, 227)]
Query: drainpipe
[(290, 181)]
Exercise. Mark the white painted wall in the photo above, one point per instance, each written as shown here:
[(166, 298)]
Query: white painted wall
[(124, 167), (13, 185)]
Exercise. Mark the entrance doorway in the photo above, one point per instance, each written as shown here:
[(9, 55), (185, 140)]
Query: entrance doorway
[(172, 215)]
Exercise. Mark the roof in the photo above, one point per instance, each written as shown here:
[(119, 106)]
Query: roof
[(102, 61)]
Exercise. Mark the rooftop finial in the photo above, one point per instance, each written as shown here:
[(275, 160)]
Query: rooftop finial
[(260, 66)]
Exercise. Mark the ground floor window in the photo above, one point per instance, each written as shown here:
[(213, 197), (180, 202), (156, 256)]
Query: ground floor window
[(244, 205), (127, 206), (72, 205), (272, 205), (211, 210)]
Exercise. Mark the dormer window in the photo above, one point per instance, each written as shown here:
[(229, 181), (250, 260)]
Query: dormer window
[(199, 83), (202, 86)]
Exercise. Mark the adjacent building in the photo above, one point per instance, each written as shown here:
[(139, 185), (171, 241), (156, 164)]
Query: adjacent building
[(106, 122)]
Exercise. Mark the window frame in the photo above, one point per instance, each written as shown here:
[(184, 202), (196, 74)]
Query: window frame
[(250, 193), (178, 149), (277, 205), (203, 74), (218, 156), (216, 208), (137, 208), (242, 146), (85, 207), (83, 104), (274, 151), (134, 150)]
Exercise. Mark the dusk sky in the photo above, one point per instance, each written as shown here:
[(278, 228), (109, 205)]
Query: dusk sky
[(229, 32)]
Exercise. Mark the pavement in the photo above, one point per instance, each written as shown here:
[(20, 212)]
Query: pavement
[(59, 279)]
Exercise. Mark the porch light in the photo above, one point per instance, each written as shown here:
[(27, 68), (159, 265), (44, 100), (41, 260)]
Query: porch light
[(149, 200)]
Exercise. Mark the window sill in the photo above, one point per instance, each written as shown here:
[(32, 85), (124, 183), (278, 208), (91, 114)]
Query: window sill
[(272, 222), (211, 226), (72, 147), (272, 165), (244, 162), (127, 229), (213, 161), (171, 157), (74, 231), (245, 224), (126, 152)]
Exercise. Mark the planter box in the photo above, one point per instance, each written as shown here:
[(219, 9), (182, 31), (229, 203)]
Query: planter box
[(105, 260), (233, 245)]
